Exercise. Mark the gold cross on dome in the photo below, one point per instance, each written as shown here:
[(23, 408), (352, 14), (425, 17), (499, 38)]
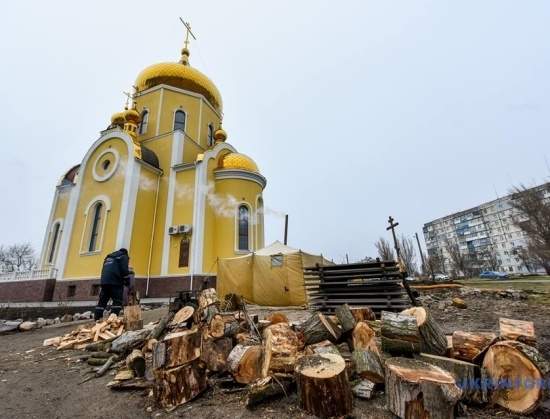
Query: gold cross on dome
[(187, 33)]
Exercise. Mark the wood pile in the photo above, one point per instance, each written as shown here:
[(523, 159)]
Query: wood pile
[(326, 360)]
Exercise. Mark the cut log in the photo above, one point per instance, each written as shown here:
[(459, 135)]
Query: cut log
[(363, 389), (362, 314), (245, 363), (368, 365), (216, 327), (279, 341), (208, 297), (132, 317), (231, 328), (214, 353), (283, 364), (469, 345), (318, 328), (345, 318), (465, 373), (132, 384), (268, 389), (323, 386), (520, 330), (177, 348), (400, 334), (519, 370), (363, 337), (129, 340), (176, 386), (433, 338), (182, 315), (124, 375), (161, 325), (277, 317), (323, 347), (52, 341), (415, 389), (136, 363)]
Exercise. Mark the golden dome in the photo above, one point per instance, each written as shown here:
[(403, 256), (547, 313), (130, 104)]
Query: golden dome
[(131, 115), (238, 161), (117, 118), (180, 75), (220, 134)]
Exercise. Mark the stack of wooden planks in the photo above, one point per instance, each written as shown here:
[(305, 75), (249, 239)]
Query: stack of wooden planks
[(83, 335)]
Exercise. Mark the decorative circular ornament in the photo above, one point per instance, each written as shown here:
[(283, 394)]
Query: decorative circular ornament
[(105, 165)]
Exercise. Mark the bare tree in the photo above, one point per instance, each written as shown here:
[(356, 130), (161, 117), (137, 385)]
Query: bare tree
[(434, 264), (489, 258), (408, 255), (17, 258), (457, 258), (385, 250), (524, 256), (534, 221)]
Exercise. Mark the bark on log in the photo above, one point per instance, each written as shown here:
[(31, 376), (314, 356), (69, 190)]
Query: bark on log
[(519, 370), (469, 345), (231, 328), (415, 389), (268, 389), (214, 353), (433, 338), (132, 317), (363, 337), (368, 365), (177, 349), (159, 328), (400, 334), (363, 389), (208, 297), (362, 314), (318, 328), (216, 327), (136, 362), (245, 363), (520, 330), (176, 386), (323, 347), (345, 318), (183, 315), (465, 373), (323, 386), (129, 340)]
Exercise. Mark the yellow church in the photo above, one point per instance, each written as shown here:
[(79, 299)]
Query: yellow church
[(161, 181)]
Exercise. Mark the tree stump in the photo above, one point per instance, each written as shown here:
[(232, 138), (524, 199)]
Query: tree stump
[(136, 363), (520, 330), (363, 338), (177, 349), (400, 334), (363, 314), (466, 374), (417, 390), (433, 338), (245, 363), (132, 317), (345, 318), (368, 365), (518, 370), (468, 346), (214, 353), (323, 386), (176, 386), (318, 328)]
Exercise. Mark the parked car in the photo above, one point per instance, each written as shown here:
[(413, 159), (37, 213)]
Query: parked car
[(493, 275), (441, 277)]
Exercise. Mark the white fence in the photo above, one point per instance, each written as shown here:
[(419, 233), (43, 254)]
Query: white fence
[(29, 275)]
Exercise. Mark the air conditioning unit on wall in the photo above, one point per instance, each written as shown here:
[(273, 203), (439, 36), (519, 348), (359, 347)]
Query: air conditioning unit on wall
[(179, 229)]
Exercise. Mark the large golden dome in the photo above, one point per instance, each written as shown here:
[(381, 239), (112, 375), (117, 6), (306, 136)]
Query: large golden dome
[(238, 161), (180, 75)]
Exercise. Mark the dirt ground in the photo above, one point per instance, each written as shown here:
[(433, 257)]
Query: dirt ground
[(38, 382)]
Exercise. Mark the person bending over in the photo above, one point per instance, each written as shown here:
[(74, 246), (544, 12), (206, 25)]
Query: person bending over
[(114, 275)]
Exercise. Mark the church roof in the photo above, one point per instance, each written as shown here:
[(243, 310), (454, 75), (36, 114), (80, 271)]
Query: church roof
[(149, 156)]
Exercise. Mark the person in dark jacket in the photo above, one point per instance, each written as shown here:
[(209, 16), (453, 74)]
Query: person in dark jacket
[(114, 275)]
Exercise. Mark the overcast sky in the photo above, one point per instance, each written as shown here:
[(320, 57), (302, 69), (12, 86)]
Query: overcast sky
[(353, 110)]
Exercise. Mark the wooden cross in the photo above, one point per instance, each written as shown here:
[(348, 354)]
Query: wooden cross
[(187, 33), (395, 242)]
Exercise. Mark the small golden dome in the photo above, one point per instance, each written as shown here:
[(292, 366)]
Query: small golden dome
[(220, 134), (182, 76), (117, 118), (238, 161), (132, 115)]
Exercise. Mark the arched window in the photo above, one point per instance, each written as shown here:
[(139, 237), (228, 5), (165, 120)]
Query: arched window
[(144, 122), (179, 120), (53, 242), (210, 135), (243, 239), (259, 224), (96, 221)]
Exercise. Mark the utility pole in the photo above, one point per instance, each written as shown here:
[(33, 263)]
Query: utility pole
[(347, 259), (286, 229), (421, 253)]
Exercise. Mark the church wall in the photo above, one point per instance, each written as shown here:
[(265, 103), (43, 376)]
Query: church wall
[(173, 101), (208, 117), (150, 101), (183, 214), (81, 264), (59, 213), (210, 233), (238, 191), (142, 229), (190, 151)]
